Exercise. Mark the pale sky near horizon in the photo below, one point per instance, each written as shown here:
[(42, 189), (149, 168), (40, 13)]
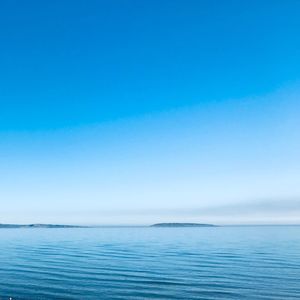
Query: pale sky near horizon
[(128, 112)]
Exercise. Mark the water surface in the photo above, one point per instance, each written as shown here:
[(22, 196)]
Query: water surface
[(151, 263)]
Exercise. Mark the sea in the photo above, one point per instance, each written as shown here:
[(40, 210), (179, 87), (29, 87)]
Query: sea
[(226, 262)]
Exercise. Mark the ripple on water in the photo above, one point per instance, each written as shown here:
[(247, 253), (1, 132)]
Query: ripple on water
[(151, 264)]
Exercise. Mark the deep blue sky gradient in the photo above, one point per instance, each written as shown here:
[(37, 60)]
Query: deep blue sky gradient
[(136, 112), (70, 63)]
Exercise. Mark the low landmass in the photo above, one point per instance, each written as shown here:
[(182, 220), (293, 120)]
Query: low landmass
[(38, 226), (182, 225), (77, 226)]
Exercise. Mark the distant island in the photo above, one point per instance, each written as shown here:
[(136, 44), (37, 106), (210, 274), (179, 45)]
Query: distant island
[(3, 226), (38, 226), (182, 225)]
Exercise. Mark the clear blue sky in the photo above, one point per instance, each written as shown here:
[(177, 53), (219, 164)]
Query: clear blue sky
[(133, 112)]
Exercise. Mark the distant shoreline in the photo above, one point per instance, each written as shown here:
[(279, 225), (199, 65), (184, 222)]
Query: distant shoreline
[(39, 226), (182, 225), (157, 225), (172, 225)]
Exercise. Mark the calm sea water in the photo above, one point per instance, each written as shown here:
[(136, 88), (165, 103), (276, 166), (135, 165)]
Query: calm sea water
[(151, 263)]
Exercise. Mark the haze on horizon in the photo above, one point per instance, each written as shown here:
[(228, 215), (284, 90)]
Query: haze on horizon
[(127, 112)]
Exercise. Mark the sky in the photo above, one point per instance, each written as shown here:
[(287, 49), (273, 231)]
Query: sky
[(138, 112)]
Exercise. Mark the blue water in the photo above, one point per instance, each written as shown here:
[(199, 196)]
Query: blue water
[(151, 263)]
